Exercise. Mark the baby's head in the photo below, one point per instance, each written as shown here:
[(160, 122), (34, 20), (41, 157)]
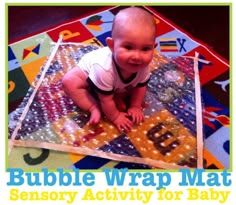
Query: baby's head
[(133, 18), (133, 39)]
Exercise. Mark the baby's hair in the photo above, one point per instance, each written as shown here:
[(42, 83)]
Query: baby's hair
[(132, 14)]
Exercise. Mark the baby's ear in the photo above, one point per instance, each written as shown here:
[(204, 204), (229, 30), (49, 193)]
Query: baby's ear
[(110, 43)]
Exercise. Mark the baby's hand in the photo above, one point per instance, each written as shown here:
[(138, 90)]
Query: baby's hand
[(123, 123), (136, 114)]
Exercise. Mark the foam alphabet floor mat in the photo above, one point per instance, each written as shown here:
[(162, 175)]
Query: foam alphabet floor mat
[(186, 106)]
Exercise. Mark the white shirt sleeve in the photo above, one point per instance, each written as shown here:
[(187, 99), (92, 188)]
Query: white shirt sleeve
[(101, 78), (96, 65)]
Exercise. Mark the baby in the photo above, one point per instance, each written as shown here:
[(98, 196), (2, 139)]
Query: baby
[(117, 73)]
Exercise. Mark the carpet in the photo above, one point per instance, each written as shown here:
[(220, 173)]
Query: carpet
[(186, 105)]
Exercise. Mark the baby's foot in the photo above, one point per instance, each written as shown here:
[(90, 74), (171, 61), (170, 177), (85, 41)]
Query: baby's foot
[(95, 115)]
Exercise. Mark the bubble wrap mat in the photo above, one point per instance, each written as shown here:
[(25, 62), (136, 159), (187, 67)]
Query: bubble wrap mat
[(166, 139)]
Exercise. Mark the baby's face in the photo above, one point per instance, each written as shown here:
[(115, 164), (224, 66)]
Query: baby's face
[(133, 48)]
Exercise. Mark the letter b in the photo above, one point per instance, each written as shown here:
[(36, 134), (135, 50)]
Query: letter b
[(50, 178), (16, 178), (64, 178)]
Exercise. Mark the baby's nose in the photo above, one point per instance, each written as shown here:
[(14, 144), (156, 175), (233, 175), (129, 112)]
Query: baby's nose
[(136, 55)]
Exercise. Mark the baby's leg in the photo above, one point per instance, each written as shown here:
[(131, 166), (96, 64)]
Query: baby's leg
[(121, 101), (77, 88)]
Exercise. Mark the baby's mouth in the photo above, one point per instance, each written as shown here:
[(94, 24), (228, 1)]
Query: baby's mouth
[(135, 63)]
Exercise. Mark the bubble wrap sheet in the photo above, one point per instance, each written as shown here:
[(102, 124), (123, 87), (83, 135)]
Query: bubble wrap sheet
[(166, 139)]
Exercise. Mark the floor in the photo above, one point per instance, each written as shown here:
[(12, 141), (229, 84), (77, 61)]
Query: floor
[(209, 24)]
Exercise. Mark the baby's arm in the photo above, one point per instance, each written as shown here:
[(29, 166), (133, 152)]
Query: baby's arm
[(135, 109), (113, 114), (76, 87)]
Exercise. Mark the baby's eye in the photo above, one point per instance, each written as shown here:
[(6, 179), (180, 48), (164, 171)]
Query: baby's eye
[(146, 49), (128, 47)]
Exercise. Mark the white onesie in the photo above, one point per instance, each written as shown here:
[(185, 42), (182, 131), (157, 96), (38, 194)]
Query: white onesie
[(104, 75)]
